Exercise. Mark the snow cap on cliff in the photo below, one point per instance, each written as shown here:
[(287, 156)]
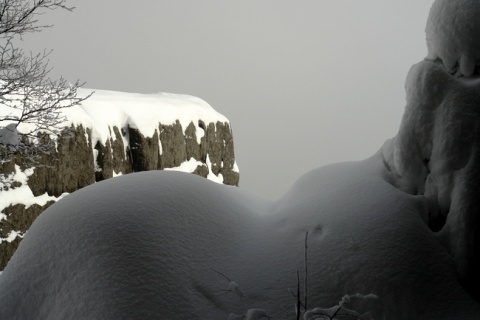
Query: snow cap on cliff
[(144, 112), (141, 111)]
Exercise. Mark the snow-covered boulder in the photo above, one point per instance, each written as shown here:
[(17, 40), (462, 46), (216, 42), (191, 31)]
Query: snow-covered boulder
[(114, 133), (436, 153), (453, 35)]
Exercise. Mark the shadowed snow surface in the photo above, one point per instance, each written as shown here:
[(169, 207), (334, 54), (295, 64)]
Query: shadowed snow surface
[(452, 34), (169, 245), (436, 154)]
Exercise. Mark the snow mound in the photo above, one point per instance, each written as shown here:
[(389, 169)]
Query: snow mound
[(436, 154), (171, 245), (453, 35)]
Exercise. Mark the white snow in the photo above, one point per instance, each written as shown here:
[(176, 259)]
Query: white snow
[(235, 167), (187, 166), (106, 109), (212, 176), (117, 174), (160, 233), (12, 236), (20, 195), (190, 165), (145, 112), (452, 34), (95, 163), (436, 152)]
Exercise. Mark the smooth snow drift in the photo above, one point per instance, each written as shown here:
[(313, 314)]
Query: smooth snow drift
[(169, 245)]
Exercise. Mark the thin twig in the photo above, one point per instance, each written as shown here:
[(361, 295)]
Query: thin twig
[(306, 270), (221, 274), (298, 296)]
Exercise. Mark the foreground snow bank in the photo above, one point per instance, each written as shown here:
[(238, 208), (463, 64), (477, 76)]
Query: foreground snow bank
[(169, 245)]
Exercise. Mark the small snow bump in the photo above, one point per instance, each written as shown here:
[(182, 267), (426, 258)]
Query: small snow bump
[(235, 288), (256, 314)]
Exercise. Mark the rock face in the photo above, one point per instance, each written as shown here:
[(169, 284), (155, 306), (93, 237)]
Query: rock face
[(80, 159)]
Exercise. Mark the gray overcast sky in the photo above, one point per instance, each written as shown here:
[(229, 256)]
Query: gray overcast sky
[(304, 83)]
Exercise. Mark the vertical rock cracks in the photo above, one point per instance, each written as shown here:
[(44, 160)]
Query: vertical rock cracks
[(78, 161)]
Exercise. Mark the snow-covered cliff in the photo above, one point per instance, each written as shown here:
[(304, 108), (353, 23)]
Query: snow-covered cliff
[(110, 134)]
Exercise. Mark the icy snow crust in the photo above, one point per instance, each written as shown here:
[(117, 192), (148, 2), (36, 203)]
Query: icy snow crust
[(153, 244)]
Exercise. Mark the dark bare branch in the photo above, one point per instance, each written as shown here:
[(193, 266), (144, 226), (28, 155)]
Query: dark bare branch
[(27, 94)]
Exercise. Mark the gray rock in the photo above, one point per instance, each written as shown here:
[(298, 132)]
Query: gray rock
[(76, 163)]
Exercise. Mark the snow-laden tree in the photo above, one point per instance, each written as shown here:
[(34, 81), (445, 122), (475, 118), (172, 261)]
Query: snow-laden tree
[(27, 95)]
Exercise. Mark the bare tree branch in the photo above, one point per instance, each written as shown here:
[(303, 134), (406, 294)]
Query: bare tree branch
[(26, 92)]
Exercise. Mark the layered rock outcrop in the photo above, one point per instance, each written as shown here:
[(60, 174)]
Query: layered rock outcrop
[(84, 155)]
